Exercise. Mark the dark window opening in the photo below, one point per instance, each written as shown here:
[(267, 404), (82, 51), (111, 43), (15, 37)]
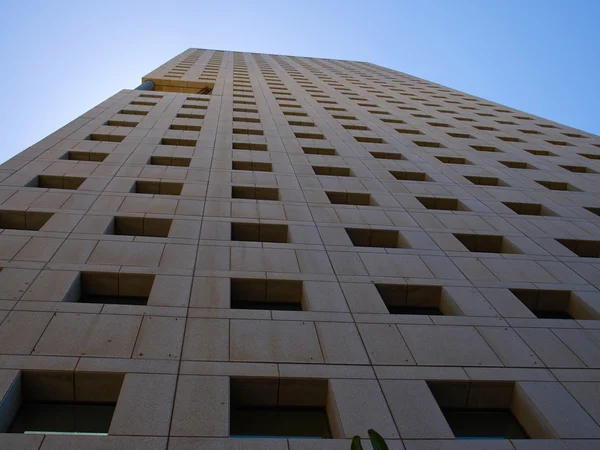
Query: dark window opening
[(284, 408)]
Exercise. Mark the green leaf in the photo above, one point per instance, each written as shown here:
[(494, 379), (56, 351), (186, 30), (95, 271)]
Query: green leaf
[(377, 441), (356, 443)]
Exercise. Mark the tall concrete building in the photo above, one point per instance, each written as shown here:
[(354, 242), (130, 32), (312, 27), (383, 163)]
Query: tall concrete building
[(257, 251)]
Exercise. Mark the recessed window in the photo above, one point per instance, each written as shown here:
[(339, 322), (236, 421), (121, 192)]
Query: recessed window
[(85, 156), (411, 299), (105, 137), (483, 128), (259, 232), (56, 182), (478, 410), (23, 220), (482, 243), (594, 210), (369, 237), (530, 132), (249, 146), (559, 143), (140, 226), (404, 175), (37, 404), (509, 139), (157, 187), (439, 124), (517, 164), (387, 155), (428, 144), (349, 198), (319, 151), (369, 139), (589, 155), (582, 248), (254, 166), (578, 169), (550, 304), (557, 185), (122, 123), (179, 141), (460, 135), (196, 116), (575, 135), (333, 171), (540, 152), (529, 209), (484, 148), (279, 407), (170, 161), (250, 293), (115, 288), (356, 127), (452, 160), (309, 135), (442, 203), (254, 193), (408, 131)]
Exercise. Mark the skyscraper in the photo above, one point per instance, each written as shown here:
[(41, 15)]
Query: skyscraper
[(253, 251)]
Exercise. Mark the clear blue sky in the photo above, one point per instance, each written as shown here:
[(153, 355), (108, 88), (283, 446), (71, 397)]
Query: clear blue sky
[(60, 58)]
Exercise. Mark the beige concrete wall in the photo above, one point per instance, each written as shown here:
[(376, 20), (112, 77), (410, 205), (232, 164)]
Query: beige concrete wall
[(429, 164)]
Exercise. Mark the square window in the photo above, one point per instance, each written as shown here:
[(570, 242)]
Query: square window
[(428, 144), (578, 169), (540, 152), (369, 139), (557, 185), (23, 220), (140, 226), (411, 299), (589, 155), (582, 248), (529, 209), (47, 403), (478, 410), (442, 203), (403, 175), (254, 166), (482, 243), (319, 151), (56, 182), (387, 155), (279, 407), (254, 193), (332, 171), (349, 198), (250, 293), (408, 131), (85, 156), (509, 139), (157, 187), (170, 161), (114, 288), (369, 237), (249, 146), (259, 232), (460, 135), (452, 160), (484, 148), (593, 210), (517, 164), (552, 304)]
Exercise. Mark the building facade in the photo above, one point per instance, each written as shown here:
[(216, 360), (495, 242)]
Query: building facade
[(266, 250)]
